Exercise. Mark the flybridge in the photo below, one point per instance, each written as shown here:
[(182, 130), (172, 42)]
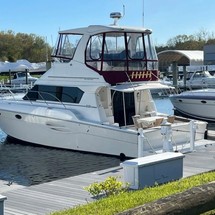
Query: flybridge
[(118, 54)]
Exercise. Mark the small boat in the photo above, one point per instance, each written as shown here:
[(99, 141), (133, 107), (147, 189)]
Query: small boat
[(22, 78), (21, 82), (197, 104), (96, 97), (198, 80)]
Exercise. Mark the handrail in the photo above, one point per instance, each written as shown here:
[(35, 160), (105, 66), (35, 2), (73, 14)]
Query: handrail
[(47, 102), (41, 97)]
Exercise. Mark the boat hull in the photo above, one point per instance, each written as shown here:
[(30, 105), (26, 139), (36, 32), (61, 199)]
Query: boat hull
[(195, 104), (40, 128)]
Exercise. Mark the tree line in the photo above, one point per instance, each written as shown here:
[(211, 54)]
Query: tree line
[(35, 49), (188, 42), (23, 46)]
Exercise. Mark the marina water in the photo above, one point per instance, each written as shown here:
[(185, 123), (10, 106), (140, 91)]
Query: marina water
[(30, 165)]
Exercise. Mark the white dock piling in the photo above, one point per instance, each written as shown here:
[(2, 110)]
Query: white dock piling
[(2, 199), (140, 142), (192, 135)]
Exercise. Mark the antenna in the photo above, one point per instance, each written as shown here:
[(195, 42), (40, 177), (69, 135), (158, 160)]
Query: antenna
[(143, 13), (117, 15)]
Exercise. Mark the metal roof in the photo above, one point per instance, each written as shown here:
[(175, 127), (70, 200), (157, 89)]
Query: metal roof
[(181, 57)]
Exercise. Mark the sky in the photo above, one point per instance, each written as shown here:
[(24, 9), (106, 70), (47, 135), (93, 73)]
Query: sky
[(166, 18)]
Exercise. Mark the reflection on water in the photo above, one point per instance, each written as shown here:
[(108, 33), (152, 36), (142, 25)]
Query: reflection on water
[(28, 165)]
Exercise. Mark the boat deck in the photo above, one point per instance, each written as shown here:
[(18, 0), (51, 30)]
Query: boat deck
[(68, 192)]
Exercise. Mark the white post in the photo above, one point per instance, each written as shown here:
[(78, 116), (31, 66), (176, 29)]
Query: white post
[(166, 132), (192, 135), (2, 199), (140, 142)]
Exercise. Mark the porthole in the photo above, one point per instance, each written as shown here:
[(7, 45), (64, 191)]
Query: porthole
[(18, 116), (180, 100), (204, 102)]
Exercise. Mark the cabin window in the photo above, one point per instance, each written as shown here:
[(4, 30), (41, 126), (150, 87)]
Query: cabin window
[(116, 51), (114, 54), (48, 93), (94, 48), (71, 94), (54, 93), (136, 46), (137, 55), (151, 54), (66, 46)]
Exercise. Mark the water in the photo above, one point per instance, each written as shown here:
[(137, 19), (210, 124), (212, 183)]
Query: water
[(163, 105), (30, 165)]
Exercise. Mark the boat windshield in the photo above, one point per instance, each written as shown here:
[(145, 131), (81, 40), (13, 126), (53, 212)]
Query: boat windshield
[(121, 51), (66, 46), (202, 74)]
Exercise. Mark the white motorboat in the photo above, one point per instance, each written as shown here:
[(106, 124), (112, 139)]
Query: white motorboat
[(21, 82), (96, 97), (22, 78), (198, 104), (198, 80)]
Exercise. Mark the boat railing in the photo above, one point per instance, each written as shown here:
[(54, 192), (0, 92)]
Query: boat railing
[(166, 92), (40, 98), (7, 93), (15, 87), (40, 95)]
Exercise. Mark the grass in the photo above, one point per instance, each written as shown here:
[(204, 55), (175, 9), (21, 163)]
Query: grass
[(115, 204)]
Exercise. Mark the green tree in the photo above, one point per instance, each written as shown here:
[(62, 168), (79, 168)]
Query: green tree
[(189, 42), (23, 46)]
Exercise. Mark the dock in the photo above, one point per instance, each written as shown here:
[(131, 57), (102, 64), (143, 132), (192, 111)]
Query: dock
[(69, 192)]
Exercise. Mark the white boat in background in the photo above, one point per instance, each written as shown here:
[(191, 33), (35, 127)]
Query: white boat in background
[(198, 80), (22, 78), (197, 104), (20, 83), (96, 97)]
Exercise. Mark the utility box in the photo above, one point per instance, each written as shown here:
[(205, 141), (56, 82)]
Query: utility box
[(154, 169)]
